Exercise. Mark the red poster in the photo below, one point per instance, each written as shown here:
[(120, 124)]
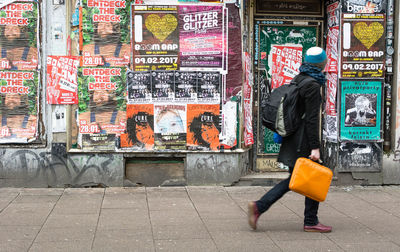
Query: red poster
[(285, 61), (203, 126), (62, 83), (248, 102), (332, 49), (331, 87)]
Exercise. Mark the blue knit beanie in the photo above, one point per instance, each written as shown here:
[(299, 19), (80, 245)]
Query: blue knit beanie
[(315, 55)]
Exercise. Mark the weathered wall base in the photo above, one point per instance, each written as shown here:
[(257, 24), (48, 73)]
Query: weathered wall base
[(391, 168), (56, 168), (215, 168)]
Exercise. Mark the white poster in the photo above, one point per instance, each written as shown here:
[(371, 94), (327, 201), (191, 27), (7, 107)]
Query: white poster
[(58, 118)]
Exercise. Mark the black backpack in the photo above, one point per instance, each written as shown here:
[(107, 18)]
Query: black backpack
[(280, 109)]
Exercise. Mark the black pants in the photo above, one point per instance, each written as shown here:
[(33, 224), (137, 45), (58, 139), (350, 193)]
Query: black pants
[(273, 195)]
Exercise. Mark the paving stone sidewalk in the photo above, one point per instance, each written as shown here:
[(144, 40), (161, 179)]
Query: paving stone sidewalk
[(193, 219)]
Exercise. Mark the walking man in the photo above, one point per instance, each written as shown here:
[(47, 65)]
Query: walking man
[(303, 143)]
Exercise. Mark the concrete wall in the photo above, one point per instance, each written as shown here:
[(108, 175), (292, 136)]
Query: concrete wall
[(56, 168), (215, 168)]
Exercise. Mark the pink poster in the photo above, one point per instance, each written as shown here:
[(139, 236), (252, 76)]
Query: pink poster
[(332, 49), (331, 87), (62, 82), (285, 61), (201, 37), (248, 102)]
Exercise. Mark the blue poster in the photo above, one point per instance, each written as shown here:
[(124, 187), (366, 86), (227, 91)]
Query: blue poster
[(361, 106)]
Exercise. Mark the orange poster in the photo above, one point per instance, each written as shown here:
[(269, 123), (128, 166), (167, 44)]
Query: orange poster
[(203, 126), (139, 127)]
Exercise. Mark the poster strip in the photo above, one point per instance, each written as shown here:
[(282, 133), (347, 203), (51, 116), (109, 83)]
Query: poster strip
[(248, 102), (361, 109), (62, 79)]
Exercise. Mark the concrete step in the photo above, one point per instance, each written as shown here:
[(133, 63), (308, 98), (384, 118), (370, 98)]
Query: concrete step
[(262, 179)]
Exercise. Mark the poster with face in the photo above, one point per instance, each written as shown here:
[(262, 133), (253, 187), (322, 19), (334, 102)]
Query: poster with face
[(105, 33), (201, 37), (285, 61), (162, 86), (139, 87), (62, 80), (169, 127), (19, 36), (185, 87), (209, 87), (363, 45), (361, 105), (203, 126), (156, 37), (102, 100), (18, 106), (139, 127)]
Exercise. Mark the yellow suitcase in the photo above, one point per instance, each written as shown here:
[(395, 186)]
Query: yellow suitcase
[(311, 179)]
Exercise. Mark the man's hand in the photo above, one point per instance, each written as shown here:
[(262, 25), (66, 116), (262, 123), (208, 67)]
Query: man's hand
[(315, 155)]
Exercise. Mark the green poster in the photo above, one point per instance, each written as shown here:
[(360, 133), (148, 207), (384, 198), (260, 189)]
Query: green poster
[(361, 106), (105, 33), (102, 100), (19, 36)]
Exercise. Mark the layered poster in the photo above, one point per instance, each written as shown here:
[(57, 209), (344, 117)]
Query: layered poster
[(19, 36), (361, 106), (203, 126), (105, 33), (363, 45), (62, 80), (248, 102), (102, 103), (156, 37), (18, 106), (139, 127), (139, 87), (170, 126), (201, 36), (332, 42), (285, 61)]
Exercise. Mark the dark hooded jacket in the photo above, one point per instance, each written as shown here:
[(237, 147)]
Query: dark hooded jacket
[(306, 137)]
